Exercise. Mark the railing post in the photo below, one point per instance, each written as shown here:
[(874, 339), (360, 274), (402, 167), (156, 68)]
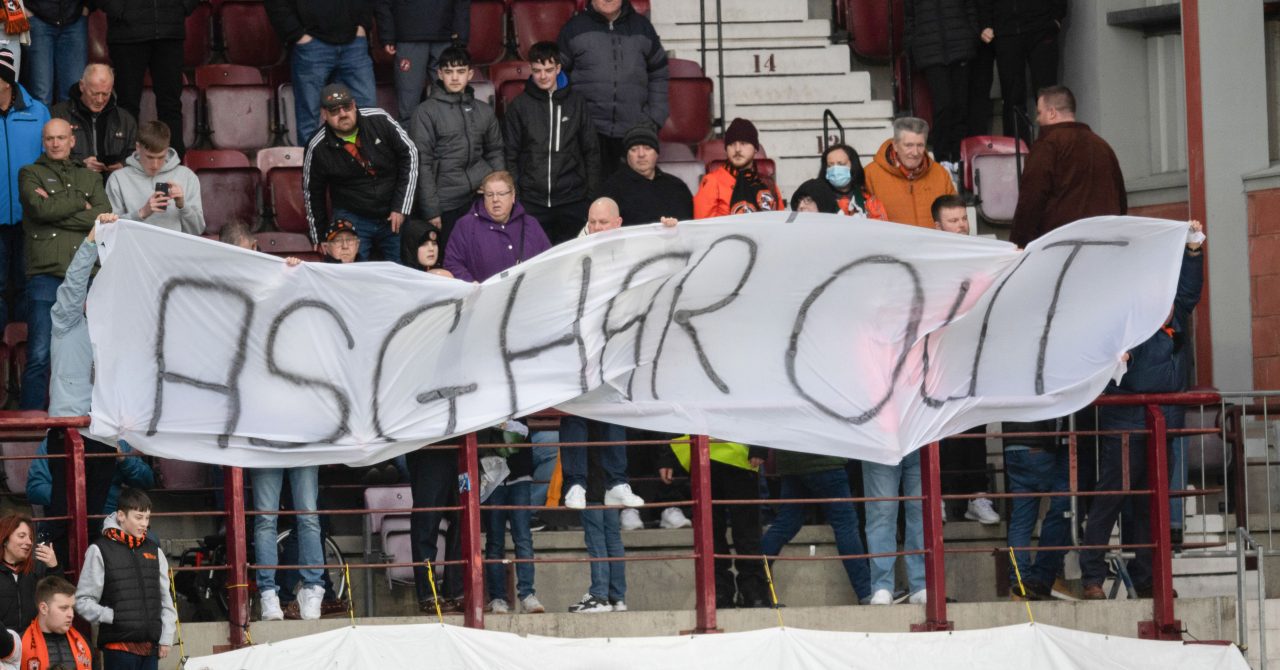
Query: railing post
[(704, 564), (1163, 625), (472, 549), (237, 557), (935, 560), (77, 507)]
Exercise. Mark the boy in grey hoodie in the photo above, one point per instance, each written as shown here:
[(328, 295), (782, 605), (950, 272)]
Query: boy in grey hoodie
[(155, 187)]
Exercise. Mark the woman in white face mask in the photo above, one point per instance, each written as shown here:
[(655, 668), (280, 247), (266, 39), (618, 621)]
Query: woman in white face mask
[(841, 170)]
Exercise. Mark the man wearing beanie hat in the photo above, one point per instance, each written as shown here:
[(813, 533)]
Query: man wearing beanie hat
[(644, 193), (736, 187), (22, 120)]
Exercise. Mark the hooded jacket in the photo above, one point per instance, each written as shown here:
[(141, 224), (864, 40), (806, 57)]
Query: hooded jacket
[(422, 21), (643, 200), (907, 199), (109, 135), (940, 32), (124, 588), (1070, 174), (330, 21), (330, 172), (55, 225), (56, 12), (479, 247), (21, 143), (146, 20), (551, 146), (129, 188), (619, 66), (459, 143)]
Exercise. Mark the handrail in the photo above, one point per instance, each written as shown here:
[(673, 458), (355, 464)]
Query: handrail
[(1244, 541), (827, 114)]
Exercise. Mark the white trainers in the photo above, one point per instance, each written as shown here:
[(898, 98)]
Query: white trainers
[(498, 606), (630, 519), (919, 597), (576, 498), (982, 511), (270, 606), (943, 505), (532, 605), (619, 605), (622, 495), (309, 601), (882, 597), (672, 517)]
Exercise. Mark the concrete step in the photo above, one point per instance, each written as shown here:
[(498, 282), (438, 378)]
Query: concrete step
[(780, 61), (781, 33), (806, 142), (816, 88), (688, 11), (804, 115)]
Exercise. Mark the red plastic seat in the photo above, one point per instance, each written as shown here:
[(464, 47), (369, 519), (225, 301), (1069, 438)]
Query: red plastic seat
[(288, 202), (689, 171), (764, 166), (287, 244), (247, 34), (690, 119), (680, 67), (15, 340), (510, 91), (227, 74), (173, 474), (196, 47), (385, 94), (98, 38), (913, 95), (229, 194), (508, 70), (991, 173), (240, 116), (671, 152), (202, 159), (984, 145), (538, 21), (869, 24), (274, 157), (190, 100), (488, 31)]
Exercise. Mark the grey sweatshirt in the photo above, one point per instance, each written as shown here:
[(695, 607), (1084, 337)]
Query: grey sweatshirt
[(130, 188), (93, 577), (71, 356)]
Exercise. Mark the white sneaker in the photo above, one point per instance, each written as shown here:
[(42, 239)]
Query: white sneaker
[(576, 498), (630, 519), (672, 517), (622, 495), (882, 597), (270, 606), (982, 511), (498, 606), (309, 600), (619, 605), (532, 605), (943, 505), (919, 597)]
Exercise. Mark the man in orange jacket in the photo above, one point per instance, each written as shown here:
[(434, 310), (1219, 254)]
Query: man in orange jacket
[(50, 641), (904, 178), (736, 187)]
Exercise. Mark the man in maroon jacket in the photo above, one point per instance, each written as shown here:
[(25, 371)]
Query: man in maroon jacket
[(1070, 174)]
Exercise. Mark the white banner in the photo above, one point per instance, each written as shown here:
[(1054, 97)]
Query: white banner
[(806, 332)]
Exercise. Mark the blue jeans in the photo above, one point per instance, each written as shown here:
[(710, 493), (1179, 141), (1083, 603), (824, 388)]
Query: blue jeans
[(842, 516), (57, 56), (316, 64), (602, 530), (123, 660), (304, 485), (42, 291), (1177, 481), (1039, 471), (544, 464), (883, 481), (573, 460), (372, 233), (415, 66), (495, 540)]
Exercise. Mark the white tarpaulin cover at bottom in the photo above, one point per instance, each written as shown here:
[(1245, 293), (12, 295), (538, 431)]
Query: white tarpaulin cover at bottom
[(442, 647)]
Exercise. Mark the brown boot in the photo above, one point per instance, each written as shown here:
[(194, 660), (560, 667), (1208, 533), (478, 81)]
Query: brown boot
[(1094, 592)]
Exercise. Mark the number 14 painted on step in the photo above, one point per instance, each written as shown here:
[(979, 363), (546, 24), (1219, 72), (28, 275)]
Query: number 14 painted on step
[(767, 63)]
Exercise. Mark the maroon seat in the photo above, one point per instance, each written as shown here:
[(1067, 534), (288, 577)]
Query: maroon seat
[(15, 341), (229, 194), (98, 38), (199, 159), (690, 119), (196, 48), (274, 157), (385, 95), (240, 116), (508, 70), (288, 202), (227, 74), (510, 91), (869, 24), (538, 21), (384, 64), (764, 166), (247, 34), (913, 90), (488, 31), (680, 67), (190, 100), (287, 244)]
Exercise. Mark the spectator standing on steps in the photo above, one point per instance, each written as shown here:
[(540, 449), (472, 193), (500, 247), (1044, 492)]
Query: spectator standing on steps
[(942, 38), (59, 46), (1024, 36), (416, 32)]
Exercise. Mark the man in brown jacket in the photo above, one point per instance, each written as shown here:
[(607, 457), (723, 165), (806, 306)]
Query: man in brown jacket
[(1070, 174)]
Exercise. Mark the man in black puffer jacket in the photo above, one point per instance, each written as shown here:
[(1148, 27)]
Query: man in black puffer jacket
[(942, 38), (1024, 34), (105, 133), (551, 148), (148, 35), (616, 61)]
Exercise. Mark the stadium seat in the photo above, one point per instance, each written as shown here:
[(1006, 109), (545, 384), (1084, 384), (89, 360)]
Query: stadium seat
[(912, 90), (384, 64), (288, 244), (386, 95), (286, 112), (483, 91), (991, 173), (15, 343), (680, 67), (177, 475), (488, 31), (229, 194), (15, 471), (689, 171), (240, 116), (190, 119), (287, 200), (274, 157), (869, 24), (227, 74), (199, 159), (391, 528), (247, 35), (510, 91), (764, 165), (690, 119), (538, 21), (197, 46), (508, 70), (98, 37)]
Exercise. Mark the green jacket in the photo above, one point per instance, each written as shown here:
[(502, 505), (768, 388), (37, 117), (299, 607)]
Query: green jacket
[(796, 463), (55, 225)]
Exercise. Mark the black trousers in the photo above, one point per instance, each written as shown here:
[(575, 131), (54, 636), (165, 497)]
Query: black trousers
[(1014, 55), (562, 222), (982, 71), (447, 220), (164, 58), (731, 483), (433, 482), (964, 464), (98, 475), (949, 88)]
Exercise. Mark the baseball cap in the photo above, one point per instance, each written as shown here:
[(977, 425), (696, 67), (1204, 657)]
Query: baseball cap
[(335, 96)]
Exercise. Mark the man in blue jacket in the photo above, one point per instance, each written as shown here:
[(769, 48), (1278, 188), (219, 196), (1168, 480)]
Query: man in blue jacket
[(22, 120)]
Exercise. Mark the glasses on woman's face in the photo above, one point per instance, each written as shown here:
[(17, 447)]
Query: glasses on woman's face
[(496, 195)]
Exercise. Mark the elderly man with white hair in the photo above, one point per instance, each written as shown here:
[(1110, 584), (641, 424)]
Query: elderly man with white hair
[(105, 132)]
